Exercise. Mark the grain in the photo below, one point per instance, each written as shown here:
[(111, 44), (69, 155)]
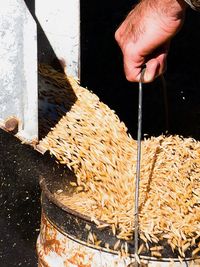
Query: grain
[(137, 259), (156, 254), (195, 251), (157, 248), (90, 139), (117, 244)]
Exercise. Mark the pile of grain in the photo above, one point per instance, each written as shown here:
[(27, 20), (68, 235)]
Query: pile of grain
[(90, 139)]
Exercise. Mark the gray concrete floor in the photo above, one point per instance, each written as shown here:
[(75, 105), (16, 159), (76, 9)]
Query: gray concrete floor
[(19, 204)]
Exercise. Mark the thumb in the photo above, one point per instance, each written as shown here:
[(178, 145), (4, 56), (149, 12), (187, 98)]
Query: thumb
[(152, 70), (157, 64)]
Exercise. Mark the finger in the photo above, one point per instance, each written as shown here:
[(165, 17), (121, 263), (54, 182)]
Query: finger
[(152, 70), (132, 67), (162, 64), (162, 59), (155, 67)]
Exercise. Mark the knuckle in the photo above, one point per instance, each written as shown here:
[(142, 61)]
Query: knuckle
[(117, 36), (130, 77)]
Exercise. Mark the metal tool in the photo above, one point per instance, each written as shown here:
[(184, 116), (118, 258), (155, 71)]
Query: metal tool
[(137, 180)]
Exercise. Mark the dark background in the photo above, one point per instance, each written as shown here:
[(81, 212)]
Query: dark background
[(102, 72)]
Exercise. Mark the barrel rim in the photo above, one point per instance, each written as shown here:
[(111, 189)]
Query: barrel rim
[(110, 251), (54, 200)]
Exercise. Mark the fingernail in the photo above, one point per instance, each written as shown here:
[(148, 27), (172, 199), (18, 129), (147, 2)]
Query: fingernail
[(147, 77)]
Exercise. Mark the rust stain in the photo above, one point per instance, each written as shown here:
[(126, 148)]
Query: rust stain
[(51, 245), (51, 241), (78, 259), (42, 263), (50, 238), (11, 125)]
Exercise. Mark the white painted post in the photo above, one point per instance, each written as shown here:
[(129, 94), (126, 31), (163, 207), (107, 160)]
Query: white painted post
[(18, 68), (60, 21)]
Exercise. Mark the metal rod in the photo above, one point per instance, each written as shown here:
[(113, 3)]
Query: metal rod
[(166, 105), (137, 180)]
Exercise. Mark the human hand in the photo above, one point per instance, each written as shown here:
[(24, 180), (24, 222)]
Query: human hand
[(144, 36)]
